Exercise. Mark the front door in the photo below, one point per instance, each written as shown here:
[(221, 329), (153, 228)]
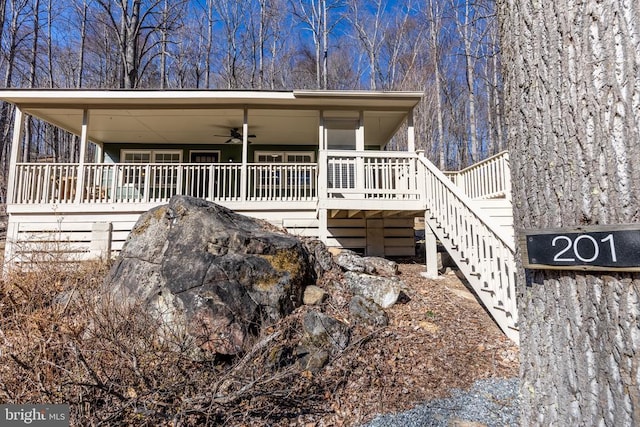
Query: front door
[(205, 156)]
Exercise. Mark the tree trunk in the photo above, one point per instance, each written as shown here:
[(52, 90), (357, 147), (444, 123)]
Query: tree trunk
[(26, 154), (572, 110), (207, 58), (435, 22), (470, 75), (131, 58), (163, 45), (83, 36)]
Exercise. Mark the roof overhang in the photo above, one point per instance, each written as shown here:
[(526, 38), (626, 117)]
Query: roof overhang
[(196, 116)]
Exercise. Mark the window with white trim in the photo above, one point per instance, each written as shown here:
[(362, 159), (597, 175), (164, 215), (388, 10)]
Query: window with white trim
[(136, 176), (284, 156), (150, 156), (294, 176)]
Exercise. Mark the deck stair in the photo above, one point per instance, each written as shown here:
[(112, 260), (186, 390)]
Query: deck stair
[(478, 234), (499, 210)]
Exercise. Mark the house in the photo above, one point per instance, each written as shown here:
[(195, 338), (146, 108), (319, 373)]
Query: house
[(313, 162)]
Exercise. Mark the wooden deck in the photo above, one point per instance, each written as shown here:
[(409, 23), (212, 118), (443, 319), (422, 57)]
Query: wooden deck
[(362, 200)]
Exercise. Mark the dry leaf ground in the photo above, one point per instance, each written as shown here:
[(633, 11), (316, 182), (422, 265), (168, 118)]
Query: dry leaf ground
[(438, 338)]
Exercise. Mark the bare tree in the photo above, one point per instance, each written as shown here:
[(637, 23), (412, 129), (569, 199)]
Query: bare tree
[(133, 21), (16, 38), (572, 97), (35, 31), (314, 16), (464, 19), (232, 17), (370, 21), (434, 18)]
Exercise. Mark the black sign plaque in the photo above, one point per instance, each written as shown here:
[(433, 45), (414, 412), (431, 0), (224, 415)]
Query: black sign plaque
[(608, 248)]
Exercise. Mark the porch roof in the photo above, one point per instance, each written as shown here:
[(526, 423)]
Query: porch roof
[(197, 116)]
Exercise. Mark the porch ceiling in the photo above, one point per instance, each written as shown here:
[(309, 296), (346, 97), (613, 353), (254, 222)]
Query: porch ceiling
[(198, 116)]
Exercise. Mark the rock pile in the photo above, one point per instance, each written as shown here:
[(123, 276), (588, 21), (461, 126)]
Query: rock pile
[(220, 278)]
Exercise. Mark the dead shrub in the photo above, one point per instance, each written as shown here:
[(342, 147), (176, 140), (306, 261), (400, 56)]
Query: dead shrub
[(64, 339)]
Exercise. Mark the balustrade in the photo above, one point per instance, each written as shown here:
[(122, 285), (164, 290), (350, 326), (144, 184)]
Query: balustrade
[(372, 175), (490, 178), (155, 183)]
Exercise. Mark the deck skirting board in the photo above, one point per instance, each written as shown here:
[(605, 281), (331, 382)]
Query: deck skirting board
[(38, 236)]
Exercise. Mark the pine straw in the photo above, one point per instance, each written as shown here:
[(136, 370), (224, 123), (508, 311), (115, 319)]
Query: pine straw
[(63, 340)]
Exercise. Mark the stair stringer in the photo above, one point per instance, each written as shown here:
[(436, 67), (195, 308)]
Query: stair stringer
[(482, 249)]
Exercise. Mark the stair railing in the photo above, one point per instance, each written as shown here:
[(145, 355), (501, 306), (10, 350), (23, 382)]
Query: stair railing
[(487, 179), (483, 251)]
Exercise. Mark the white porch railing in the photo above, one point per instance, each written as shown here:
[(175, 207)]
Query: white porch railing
[(482, 251), (45, 183), (488, 179), (372, 175), (282, 181), (38, 183)]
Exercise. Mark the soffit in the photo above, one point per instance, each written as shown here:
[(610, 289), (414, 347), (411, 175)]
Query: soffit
[(198, 116)]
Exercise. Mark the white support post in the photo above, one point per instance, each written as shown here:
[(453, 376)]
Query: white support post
[(84, 141), (411, 133), (322, 161), (360, 159), (431, 252), (245, 156), (374, 237), (99, 153), (360, 132), (323, 229), (322, 135), (100, 240), (421, 183), (18, 132)]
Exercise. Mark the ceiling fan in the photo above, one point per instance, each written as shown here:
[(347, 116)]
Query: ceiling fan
[(235, 137)]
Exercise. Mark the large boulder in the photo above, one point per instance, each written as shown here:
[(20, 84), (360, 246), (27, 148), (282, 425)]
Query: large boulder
[(213, 275)]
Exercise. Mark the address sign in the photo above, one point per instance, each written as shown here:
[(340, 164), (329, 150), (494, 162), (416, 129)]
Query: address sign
[(608, 248)]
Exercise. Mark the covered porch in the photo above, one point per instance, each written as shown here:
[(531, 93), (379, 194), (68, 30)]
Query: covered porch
[(224, 146), (314, 162)]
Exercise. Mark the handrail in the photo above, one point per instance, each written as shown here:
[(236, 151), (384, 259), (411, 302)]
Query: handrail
[(483, 250), (157, 182), (387, 175), (489, 178)]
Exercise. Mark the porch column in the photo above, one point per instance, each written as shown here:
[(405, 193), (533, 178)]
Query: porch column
[(322, 160), (84, 140), (359, 158), (18, 132), (323, 230), (245, 155), (411, 133), (360, 132), (99, 153)]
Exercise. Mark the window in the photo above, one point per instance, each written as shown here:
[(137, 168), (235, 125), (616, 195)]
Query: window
[(293, 176), (341, 133), (280, 156), (136, 175), (299, 157), (151, 156)]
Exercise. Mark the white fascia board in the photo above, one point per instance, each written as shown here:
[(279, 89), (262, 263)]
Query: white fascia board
[(133, 97)]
